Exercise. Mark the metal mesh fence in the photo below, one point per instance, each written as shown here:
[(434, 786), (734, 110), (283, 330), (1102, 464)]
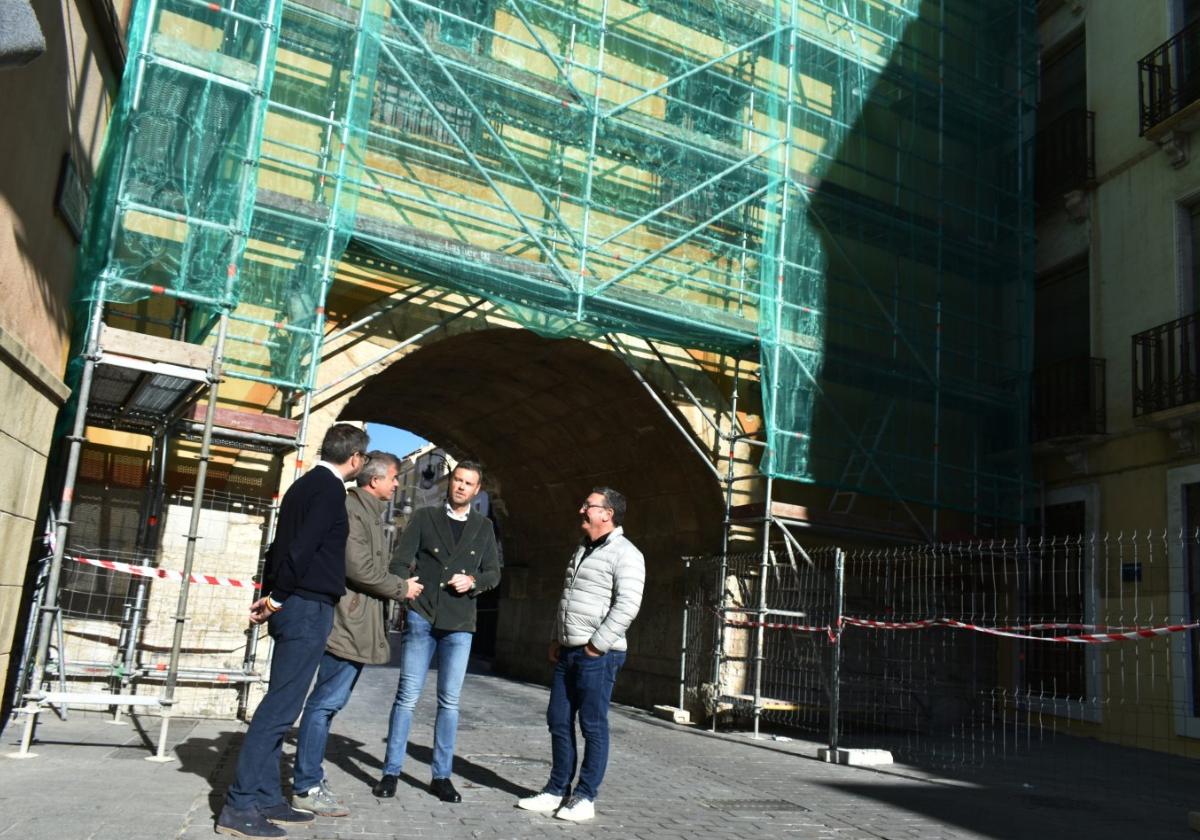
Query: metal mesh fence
[(120, 602), (1062, 661)]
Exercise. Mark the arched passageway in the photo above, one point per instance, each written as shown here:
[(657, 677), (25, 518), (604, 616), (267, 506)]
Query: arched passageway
[(550, 419)]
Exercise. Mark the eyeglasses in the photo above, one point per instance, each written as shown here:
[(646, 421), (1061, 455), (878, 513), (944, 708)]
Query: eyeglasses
[(365, 457), (587, 505)]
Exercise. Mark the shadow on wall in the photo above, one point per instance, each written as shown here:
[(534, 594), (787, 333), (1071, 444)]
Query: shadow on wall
[(923, 243), (45, 102), (551, 419)]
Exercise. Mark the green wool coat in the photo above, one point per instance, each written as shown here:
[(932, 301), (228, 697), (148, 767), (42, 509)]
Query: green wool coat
[(427, 547)]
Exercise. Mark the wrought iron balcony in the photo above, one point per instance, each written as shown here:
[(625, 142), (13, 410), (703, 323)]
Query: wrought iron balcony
[(1166, 366), (1065, 154), (1169, 77), (1068, 399)]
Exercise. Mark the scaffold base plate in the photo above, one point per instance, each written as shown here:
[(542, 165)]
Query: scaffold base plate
[(768, 704), (673, 714), (855, 758)]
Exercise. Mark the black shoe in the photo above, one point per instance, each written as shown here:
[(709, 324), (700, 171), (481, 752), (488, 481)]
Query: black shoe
[(444, 790), (385, 788)]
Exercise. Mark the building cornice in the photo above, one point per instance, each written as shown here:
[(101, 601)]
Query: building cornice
[(21, 358)]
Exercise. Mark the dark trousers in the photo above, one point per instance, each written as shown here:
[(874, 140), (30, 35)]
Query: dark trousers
[(336, 679), (580, 690), (300, 631)]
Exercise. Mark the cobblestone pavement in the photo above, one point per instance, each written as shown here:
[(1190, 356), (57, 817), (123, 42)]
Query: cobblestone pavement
[(664, 783)]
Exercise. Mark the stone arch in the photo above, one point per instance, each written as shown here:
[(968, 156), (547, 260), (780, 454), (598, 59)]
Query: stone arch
[(550, 419)]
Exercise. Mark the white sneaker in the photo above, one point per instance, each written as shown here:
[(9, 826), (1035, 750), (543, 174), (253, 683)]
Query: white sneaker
[(577, 809), (543, 803)]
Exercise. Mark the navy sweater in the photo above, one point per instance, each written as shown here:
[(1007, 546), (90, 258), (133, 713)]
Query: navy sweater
[(308, 556)]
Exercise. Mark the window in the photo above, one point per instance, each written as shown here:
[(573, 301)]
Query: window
[(1062, 315), (708, 102), (1055, 591), (1058, 584), (1190, 259), (1191, 589), (1183, 13), (1183, 516), (1064, 157), (451, 28), (398, 106), (1063, 85)]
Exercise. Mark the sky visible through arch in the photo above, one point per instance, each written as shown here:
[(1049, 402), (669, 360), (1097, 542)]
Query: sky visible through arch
[(399, 442)]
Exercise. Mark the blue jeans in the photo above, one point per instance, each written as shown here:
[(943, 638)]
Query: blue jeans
[(300, 631), (581, 688), (335, 680), (421, 643)]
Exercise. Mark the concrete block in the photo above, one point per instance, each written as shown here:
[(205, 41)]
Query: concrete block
[(674, 714), (855, 758)]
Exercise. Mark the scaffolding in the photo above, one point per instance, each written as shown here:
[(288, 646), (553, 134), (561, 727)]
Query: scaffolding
[(833, 193)]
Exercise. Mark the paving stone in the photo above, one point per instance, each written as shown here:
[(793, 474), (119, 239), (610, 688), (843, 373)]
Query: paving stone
[(664, 782)]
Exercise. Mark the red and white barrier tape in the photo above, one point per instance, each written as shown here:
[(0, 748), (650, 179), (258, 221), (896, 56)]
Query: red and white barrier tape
[(1054, 625), (165, 574), (774, 625), (889, 625), (1006, 632), (1083, 638)]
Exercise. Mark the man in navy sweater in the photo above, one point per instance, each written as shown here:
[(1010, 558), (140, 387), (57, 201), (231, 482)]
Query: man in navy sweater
[(304, 576)]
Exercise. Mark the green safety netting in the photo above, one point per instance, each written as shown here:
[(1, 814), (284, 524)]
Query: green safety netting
[(839, 184), (208, 118)]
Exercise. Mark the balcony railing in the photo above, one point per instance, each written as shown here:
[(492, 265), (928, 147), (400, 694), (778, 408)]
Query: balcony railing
[(1068, 399), (1169, 77), (1065, 154), (1166, 366)]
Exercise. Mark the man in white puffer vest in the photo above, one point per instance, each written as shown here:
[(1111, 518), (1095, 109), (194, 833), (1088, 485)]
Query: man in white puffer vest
[(600, 599)]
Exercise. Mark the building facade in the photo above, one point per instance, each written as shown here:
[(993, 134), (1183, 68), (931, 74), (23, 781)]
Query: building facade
[(1115, 387)]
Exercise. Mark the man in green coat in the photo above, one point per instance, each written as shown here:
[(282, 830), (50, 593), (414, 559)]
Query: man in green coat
[(359, 636), (453, 548)]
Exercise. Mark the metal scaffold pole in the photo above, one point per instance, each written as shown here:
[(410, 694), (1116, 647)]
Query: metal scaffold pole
[(941, 233), (180, 618), (835, 677), (719, 642), (597, 78), (50, 614), (683, 646), (732, 438), (252, 630), (148, 529), (773, 383), (328, 255), (760, 636)]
